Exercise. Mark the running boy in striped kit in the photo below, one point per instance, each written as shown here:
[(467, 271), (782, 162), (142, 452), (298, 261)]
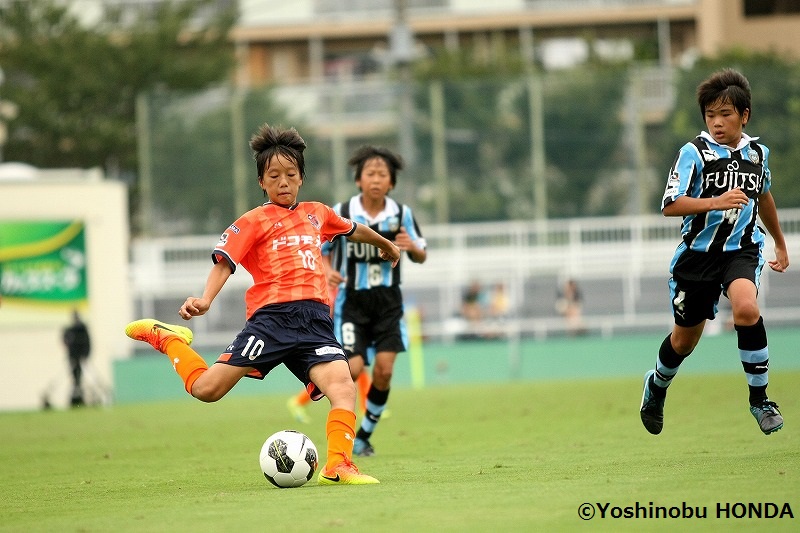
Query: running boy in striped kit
[(720, 182), (369, 310)]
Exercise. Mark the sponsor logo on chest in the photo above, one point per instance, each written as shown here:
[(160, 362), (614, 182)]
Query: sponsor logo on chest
[(730, 174), (289, 241)]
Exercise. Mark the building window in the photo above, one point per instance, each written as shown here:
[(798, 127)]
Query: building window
[(761, 8), (350, 66)]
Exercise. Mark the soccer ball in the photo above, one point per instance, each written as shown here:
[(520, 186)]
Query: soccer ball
[(288, 459)]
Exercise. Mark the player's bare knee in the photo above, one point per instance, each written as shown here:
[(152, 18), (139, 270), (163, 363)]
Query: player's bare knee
[(683, 344), (382, 377), (341, 392), (746, 315)]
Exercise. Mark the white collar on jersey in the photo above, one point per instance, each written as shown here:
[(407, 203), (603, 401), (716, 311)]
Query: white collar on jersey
[(744, 141), (390, 209), (291, 207)]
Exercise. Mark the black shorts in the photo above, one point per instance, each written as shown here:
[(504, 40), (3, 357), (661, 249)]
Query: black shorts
[(698, 279), (372, 317), (297, 334)]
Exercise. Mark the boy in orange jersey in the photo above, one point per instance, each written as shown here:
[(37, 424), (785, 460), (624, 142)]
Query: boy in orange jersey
[(288, 316)]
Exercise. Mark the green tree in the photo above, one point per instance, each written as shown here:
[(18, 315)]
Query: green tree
[(582, 135), (487, 143), (76, 85), (193, 157), (488, 118)]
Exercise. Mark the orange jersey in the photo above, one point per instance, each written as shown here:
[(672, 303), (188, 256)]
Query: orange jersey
[(281, 248)]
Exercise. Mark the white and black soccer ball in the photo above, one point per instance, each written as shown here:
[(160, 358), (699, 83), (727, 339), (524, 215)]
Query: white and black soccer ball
[(288, 459)]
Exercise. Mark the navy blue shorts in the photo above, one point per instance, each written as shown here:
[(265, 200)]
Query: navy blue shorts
[(297, 334), (699, 278)]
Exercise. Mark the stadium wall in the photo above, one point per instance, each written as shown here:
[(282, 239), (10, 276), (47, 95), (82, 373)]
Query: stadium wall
[(33, 360), (150, 377)]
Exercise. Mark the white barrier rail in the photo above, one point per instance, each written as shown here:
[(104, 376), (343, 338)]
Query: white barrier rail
[(617, 258)]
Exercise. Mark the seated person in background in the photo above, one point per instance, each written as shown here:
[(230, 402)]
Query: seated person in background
[(472, 309), (569, 305)]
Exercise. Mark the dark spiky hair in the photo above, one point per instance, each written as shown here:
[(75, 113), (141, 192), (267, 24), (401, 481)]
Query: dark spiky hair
[(271, 141)]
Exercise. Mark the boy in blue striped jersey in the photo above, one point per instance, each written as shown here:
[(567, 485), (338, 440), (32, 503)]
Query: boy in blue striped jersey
[(719, 183), (368, 311)]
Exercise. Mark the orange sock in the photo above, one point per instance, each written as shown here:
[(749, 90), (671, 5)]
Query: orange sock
[(363, 382), (340, 429), (303, 397), (186, 362)]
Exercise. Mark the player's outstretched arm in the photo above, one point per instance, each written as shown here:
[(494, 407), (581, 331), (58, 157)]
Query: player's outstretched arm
[(387, 249), (194, 306)]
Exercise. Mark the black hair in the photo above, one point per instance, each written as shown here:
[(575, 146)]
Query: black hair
[(367, 152), (271, 141), (726, 86)]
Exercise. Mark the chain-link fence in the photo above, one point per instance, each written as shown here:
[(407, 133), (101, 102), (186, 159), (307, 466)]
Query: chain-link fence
[(556, 145), (573, 143)]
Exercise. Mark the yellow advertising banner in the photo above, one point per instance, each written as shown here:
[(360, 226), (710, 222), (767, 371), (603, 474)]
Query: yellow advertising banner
[(43, 269)]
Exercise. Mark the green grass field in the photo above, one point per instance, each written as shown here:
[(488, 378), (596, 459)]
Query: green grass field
[(522, 456)]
